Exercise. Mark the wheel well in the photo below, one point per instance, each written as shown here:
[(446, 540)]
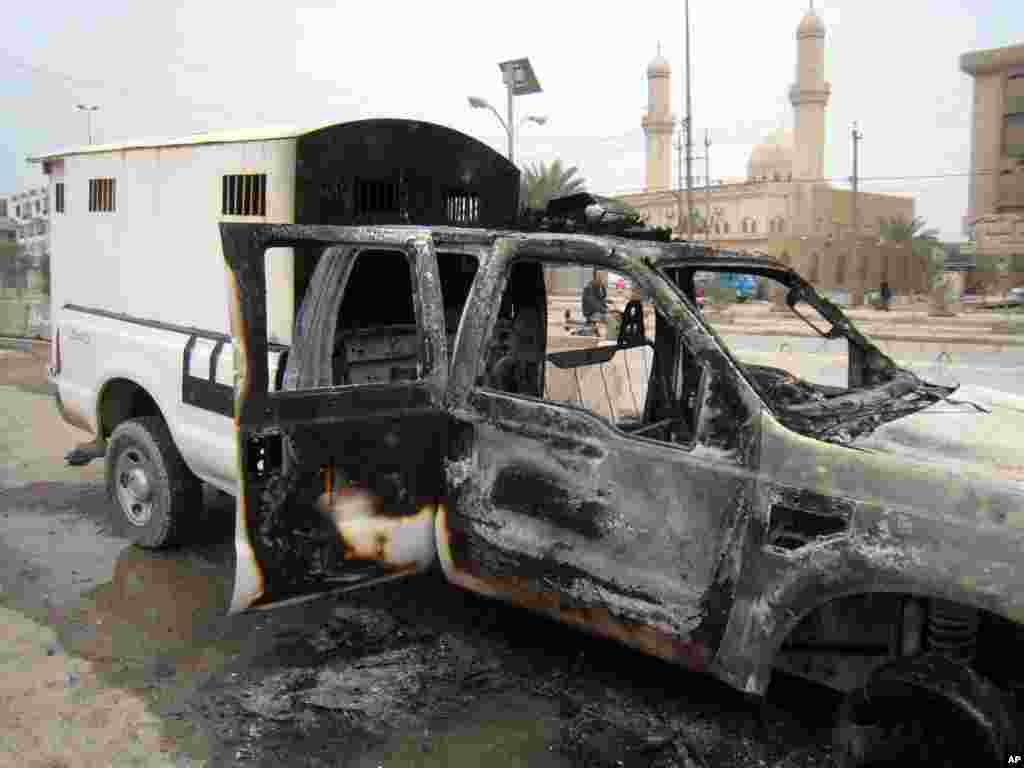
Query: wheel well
[(848, 631), (123, 399)]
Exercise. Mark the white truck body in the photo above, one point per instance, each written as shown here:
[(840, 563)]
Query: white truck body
[(139, 301), (135, 287)]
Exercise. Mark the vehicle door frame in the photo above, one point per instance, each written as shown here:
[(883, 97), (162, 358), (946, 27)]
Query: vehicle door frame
[(735, 532), (263, 418)]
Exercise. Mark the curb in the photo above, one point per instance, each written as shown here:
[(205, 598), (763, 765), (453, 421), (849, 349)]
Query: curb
[(987, 340), (22, 344)]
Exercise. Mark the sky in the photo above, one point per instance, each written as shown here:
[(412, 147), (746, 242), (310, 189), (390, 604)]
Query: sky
[(171, 69)]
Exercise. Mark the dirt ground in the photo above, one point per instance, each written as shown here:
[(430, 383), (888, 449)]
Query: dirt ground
[(114, 656)]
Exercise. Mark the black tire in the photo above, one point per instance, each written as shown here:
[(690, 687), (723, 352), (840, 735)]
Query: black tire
[(155, 495), (926, 711)]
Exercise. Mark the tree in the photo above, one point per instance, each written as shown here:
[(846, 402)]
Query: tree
[(923, 243), (540, 183), (14, 266), (696, 223), (44, 266), (899, 230)]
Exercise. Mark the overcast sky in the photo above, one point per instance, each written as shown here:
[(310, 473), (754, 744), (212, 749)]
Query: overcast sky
[(168, 69)]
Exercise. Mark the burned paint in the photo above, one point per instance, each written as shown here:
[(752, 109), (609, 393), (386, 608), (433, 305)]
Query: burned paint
[(593, 618), (533, 494)]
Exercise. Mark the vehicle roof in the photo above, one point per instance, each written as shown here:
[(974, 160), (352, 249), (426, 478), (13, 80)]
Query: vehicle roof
[(692, 255), (266, 133), (673, 254), (233, 136)]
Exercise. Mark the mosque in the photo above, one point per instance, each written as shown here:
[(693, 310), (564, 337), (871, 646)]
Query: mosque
[(785, 207)]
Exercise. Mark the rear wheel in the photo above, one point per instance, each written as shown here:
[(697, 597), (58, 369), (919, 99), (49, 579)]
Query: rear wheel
[(155, 494)]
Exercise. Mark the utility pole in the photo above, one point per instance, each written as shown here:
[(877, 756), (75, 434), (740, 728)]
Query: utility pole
[(707, 186), (689, 122), (679, 178), (856, 271)]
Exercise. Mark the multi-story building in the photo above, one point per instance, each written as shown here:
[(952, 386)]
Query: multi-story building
[(995, 216), (29, 213)]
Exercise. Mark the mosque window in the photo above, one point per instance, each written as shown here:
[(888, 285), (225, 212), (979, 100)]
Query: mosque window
[(744, 225), (753, 226), (725, 227)]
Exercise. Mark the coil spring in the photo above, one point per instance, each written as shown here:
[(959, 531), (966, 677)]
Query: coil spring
[(953, 630)]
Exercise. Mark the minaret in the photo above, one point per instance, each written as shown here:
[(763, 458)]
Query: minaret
[(809, 96), (657, 124)]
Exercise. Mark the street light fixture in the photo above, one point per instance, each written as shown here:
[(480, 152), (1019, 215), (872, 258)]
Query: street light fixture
[(88, 109), (519, 79)]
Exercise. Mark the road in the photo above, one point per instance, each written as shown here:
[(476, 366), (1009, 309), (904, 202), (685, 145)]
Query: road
[(968, 365), (114, 656)]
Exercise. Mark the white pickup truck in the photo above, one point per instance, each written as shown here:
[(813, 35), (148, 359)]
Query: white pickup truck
[(142, 355)]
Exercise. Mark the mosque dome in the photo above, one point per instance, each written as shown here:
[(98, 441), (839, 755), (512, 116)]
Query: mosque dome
[(811, 25), (658, 66), (772, 159)]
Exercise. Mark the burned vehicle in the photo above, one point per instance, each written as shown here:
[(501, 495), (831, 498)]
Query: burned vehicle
[(728, 517)]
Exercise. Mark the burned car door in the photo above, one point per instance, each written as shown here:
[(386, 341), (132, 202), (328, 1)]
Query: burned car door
[(629, 527), (338, 469)]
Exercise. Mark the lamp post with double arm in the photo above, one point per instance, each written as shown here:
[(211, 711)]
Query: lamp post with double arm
[(88, 109), (519, 80)]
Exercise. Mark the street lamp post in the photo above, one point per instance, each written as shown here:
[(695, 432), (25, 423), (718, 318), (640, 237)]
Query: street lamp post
[(519, 80), (88, 109)]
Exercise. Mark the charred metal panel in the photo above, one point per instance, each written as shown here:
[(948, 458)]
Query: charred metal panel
[(913, 527), (402, 172)]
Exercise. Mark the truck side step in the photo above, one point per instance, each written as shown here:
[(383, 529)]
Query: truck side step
[(83, 453)]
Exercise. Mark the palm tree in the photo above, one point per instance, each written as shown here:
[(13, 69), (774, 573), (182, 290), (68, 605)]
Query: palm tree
[(541, 182), (923, 242), (899, 230)]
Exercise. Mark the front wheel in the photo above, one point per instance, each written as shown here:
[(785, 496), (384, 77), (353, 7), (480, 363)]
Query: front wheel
[(924, 711), (154, 493)]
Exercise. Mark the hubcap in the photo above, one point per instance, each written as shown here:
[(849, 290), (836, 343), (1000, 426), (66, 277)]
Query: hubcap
[(134, 486)]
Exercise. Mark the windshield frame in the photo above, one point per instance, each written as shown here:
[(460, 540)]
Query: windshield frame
[(874, 377)]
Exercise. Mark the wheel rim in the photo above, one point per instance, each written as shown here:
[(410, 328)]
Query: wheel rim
[(134, 475)]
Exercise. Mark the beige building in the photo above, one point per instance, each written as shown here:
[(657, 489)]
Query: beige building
[(995, 215), (784, 207)]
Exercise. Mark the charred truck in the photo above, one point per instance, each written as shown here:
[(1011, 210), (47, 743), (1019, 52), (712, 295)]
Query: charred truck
[(386, 389)]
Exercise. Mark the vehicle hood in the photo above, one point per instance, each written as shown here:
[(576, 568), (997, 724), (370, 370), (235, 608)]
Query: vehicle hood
[(975, 429)]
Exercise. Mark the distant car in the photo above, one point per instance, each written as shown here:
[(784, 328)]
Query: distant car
[(1015, 296)]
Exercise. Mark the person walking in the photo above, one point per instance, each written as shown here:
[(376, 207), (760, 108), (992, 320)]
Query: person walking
[(885, 295), (595, 298)]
